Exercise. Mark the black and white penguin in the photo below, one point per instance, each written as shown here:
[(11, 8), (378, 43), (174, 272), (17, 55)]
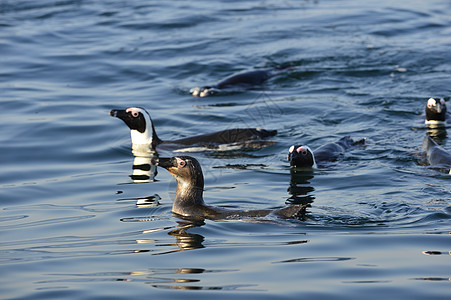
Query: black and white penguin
[(436, 156), (301, 156), (436, 112), (244, 80), (189, 202), (143, 132)]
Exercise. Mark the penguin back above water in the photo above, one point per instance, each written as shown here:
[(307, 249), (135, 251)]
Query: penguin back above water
[(244, 80), (142, 131)]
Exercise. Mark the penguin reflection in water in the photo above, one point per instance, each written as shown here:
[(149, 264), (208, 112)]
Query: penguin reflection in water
[(301, 156), (143, 135), (189, 202), (300, 189)]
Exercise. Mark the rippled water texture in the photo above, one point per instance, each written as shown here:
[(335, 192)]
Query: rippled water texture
[(74, 225)]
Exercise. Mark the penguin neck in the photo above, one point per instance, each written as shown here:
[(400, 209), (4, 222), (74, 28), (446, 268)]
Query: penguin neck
[(314, 166), (189, 195), (435, 116), (148, 137)]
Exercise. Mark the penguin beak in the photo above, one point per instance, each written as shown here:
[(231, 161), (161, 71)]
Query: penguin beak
[(165, 162), (118, 113), (439, 108)]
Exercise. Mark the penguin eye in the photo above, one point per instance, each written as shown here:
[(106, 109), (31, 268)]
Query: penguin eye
[(133, 111), (134, 114), (182, 163)]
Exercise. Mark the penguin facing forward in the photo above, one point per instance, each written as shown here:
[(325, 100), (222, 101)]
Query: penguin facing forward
[(436, 113), (143, 134), (301, 156)]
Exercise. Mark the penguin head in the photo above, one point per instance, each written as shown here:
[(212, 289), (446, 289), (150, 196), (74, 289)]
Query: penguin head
[(301, 156), (185, 169), (140, 123), (435, 110), (203, 91)]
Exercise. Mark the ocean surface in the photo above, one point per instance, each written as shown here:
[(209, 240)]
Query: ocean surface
[(74, 224)]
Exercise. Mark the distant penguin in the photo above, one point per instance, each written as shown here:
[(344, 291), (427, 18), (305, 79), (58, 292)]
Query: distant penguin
[(143, 133), (189, 202), (436, 113), (301, 156), (244, 80), (436, 156)]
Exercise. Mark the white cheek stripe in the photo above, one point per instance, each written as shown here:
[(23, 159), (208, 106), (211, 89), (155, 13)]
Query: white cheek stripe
[(431, 102), (315, 166), (138, 137)]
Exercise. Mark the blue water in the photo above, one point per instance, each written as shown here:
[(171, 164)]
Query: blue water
[(379, 223)]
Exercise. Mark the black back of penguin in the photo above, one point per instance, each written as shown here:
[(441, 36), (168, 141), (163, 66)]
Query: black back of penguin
[(228, 136), (241, 80)]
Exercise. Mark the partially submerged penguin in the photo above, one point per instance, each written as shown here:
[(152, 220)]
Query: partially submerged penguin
[(143, 132), (436, 156), (301, 156), (244, 80), (436, 112), (189, 202)]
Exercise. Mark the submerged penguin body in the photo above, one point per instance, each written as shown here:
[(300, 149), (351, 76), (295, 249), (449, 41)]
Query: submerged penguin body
[(244, 80)]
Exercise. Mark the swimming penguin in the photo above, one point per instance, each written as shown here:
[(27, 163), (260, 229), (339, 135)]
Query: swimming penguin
[(436, 112), (244, 80), (436, 155), (189, 202), (302, 156), (143, 132)]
